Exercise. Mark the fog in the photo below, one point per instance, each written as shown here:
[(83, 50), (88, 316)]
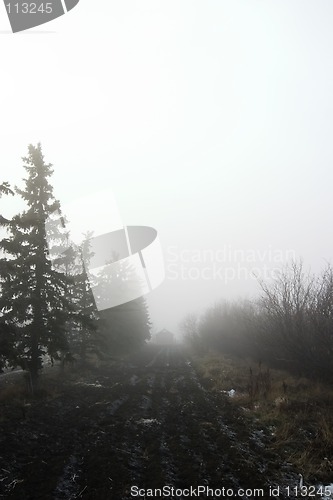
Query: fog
[(210, 121)]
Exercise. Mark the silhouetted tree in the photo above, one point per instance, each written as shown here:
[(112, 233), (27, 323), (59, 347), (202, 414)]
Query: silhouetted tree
[(7, 334), (125, 327), (4, 189), (189, 328), (34, 302), (85, 338), (286, 304)]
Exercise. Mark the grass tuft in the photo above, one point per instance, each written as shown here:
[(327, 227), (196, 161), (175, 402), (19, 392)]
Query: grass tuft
[(297, 411)]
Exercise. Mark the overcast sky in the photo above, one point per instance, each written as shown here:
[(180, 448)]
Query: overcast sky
[(210, 121)]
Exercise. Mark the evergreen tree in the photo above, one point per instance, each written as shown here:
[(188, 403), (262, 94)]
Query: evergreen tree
[(125, 327), (34, 302), (84, 336), (7, 334), (4, 189)]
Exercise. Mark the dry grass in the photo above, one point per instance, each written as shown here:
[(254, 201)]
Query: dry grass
[(12, 393), (17, 388), (297, 411)]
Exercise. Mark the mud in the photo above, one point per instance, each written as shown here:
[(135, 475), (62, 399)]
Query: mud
[(148, 422)]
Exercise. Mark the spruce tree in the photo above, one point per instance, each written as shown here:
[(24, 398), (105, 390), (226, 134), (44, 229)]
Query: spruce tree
[(126, 326), (85, 339), (7, 334), (33, 300), (5, 189)]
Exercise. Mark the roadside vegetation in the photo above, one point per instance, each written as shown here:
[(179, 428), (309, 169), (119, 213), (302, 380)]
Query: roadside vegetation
[(273, 359), (297, 411)]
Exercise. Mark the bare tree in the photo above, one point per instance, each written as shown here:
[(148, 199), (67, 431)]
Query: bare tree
[(294, 320)]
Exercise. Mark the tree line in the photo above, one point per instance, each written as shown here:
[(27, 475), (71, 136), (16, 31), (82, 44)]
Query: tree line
[(47, 308), (290, 325)]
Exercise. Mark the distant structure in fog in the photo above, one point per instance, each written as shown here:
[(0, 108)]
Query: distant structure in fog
[(164, 337)]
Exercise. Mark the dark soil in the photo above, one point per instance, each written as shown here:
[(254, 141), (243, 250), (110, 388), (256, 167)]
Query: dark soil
[(146, 422)]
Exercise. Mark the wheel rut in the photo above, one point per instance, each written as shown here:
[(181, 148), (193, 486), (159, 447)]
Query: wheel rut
[(149, 423)]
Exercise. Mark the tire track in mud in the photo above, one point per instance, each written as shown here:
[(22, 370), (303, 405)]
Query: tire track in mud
[(198, 441), (149, 423), (172, 432), (191, 437), (169, 431)]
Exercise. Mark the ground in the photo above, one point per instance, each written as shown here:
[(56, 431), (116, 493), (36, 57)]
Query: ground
[(146, 422)]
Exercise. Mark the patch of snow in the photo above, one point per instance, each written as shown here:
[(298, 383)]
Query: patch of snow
[(148, 421), (231, 393), (85, 384)]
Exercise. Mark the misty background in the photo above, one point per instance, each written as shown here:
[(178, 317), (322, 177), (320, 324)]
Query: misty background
[(209, 121)]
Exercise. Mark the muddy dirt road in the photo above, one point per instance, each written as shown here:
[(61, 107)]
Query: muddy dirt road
[(144, 424)]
